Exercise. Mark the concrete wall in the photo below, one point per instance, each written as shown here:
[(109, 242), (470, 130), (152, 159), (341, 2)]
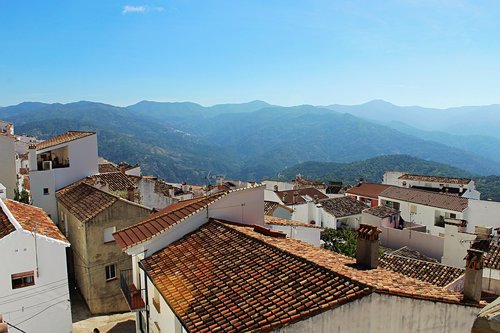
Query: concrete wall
[(305, 234), (282, 186), (301, 213), (491, 280), (91, 255), (455, 246), (242, 206), (425, 243), (390, 314), (484, 213), (150, 198), (8, 164), (391, 177), (328, 220), (50, 292)]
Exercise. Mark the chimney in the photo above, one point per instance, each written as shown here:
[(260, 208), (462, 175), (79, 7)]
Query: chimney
[(131, 193), (473, 275), (32, 157), (367, 246), (482, 232)]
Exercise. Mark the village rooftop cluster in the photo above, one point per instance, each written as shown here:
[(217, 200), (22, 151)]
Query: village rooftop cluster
[(237, 256)]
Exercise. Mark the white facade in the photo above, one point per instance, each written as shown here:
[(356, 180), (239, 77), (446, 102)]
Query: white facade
[(482, 213), (8, 164), (272, 185), (44, 306), (82, 157), (306, 234), (390, 314)]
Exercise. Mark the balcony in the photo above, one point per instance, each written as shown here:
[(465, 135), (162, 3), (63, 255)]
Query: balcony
[(130, 291)]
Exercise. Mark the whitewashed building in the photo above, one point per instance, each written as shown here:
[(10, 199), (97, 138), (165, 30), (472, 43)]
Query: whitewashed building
[(59, 162), (8, 158), (34, 294)]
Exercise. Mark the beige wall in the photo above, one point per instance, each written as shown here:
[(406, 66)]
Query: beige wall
[(387, 314), (91, 255), (425, 243)]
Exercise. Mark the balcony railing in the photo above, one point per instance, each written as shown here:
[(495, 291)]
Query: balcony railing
[(130, 291)]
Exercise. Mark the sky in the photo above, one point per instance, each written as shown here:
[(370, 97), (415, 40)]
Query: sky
[(408, 52)]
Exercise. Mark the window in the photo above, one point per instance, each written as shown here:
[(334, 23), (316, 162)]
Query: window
[(453, 216), (45, 191), (110, 272), (156, 300), (22, 280), (108, 234)]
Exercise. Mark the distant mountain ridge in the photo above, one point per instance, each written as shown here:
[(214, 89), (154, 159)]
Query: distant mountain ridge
[(185, 141)]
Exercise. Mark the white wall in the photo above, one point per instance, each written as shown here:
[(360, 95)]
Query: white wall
[(491, 280), (150, 198), (390, 314), (50, 292), (455, 246), (303, 233), (282, 186), (8, 164), (425, 243), (166, 319), (38, 181), (328, 220), (391, 177), (482, 213), (300, 213)]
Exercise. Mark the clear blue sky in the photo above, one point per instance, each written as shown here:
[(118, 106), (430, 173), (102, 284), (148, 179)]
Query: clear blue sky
[(434, 53)]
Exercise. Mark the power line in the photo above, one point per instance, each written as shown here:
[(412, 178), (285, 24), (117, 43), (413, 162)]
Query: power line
[(36, 314), (65, 295), (33, 288), (32, 295), (17, 328)]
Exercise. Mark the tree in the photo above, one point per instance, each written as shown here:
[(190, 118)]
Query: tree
[(342, 241)]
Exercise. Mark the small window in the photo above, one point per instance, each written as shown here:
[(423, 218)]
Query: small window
[(108, 234), (453, 216), (22, 280), (45, 191), (110, 272)]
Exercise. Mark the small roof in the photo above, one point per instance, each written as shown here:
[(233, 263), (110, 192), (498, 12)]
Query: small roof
[(116, 181), (107, 167), (62, 138), (296, 197), (381, 211), (85, 201), (162, 220), (406, 252), (270, 206), (449, 202), (435, 179), (343, 206), (492, 258), (368, 190), (432, 272), (279, 221), (30, 218), (219, 279)]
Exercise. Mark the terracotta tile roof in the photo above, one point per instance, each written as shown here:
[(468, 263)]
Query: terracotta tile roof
[(116, 181), (432, 272), (5, 226), (382, 280), (85, 201), (435, 179), (410, 253), (288, 197), (492, 258), (218, 279), (107, 167), (62, 138), (162, 220), (343, 206), (270, 206), (381, 211), (31, 217), (280, 221), (368, 190), (426, 198)]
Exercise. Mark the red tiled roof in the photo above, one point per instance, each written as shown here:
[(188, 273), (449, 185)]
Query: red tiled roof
[(434, 273), (32, 218), (5, 226), (492, 258), (435, 179), (218, 279), (270, 206), (368, 190), (343, 206), (383, 280), (162, 220), (280, 221), (288, 197), (62, 138), (381, 211), (116, 181), (426, 198), (85, 201), (107, 167)]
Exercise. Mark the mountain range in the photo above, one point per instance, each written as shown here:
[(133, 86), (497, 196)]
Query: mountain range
[(185, 141)]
